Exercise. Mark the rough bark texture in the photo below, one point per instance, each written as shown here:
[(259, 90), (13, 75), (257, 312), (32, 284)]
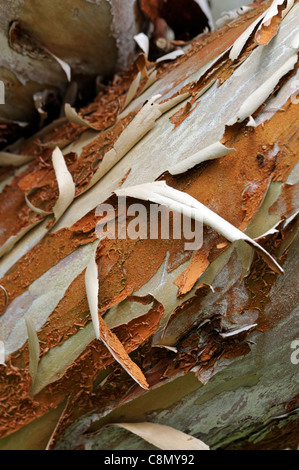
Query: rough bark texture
[(217, 360)]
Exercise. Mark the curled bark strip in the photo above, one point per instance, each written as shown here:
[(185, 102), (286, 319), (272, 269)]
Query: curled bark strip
[(34, 348), (171, 56), (92, 291), (65, 182), (119, 353), (51, 441), (102, 331), (271, 21), (237, 331), (242, 40), (65, 67), (163, 437), (36, 209), (150, 81), (143, 42), (172, 102), (267, 26), (181, 202), (205, 6), (11, 159), (74, 117), (259, 96), (141, 125), (66, 187), (212, 152), (133, 89), (6, 297)]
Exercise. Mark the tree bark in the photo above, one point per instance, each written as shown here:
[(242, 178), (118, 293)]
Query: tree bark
[(89, 38), (212, 331)]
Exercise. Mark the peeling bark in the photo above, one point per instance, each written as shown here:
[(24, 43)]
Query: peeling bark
[(209, 331)]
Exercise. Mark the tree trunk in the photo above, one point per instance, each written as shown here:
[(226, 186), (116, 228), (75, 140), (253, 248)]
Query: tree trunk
[(46, 45), (211, 333)]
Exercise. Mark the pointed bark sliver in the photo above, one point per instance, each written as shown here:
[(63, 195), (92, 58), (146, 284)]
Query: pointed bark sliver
[(102, 331), (120, 355), (163, 437), (34, 348), (66, 187)]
